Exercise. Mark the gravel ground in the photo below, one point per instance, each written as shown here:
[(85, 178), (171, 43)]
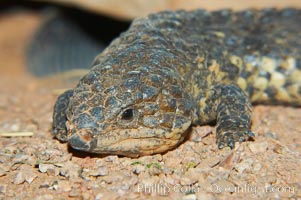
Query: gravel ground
[(39, 167)]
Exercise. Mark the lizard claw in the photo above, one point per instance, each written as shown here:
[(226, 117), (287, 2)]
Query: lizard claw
[(229, 138)]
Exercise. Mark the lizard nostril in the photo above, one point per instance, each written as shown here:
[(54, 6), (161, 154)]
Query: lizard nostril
[(76, 142)]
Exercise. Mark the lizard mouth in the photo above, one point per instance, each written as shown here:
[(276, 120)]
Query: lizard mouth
[(127, 142)]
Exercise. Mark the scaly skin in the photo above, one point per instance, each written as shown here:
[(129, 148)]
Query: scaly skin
[(174, 69)]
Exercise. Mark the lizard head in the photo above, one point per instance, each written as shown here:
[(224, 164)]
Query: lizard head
[(132, 112)]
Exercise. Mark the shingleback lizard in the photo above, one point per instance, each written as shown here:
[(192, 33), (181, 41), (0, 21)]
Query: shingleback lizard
[(171, 70)]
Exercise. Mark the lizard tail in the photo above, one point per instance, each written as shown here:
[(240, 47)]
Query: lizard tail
[(69, 39)]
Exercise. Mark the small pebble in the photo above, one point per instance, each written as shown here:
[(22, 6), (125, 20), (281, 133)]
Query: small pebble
[(2, 172), (259, 147), (189, 177), (70, 170), (190, 197), (26, 173), (3, 188), (74, 192), (244, 165), (49, 168)]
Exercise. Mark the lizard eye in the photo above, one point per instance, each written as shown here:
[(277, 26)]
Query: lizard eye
[(128, 114)]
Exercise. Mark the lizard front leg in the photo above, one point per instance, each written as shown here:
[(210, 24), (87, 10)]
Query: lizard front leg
[(232, 109), (60, 116)]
